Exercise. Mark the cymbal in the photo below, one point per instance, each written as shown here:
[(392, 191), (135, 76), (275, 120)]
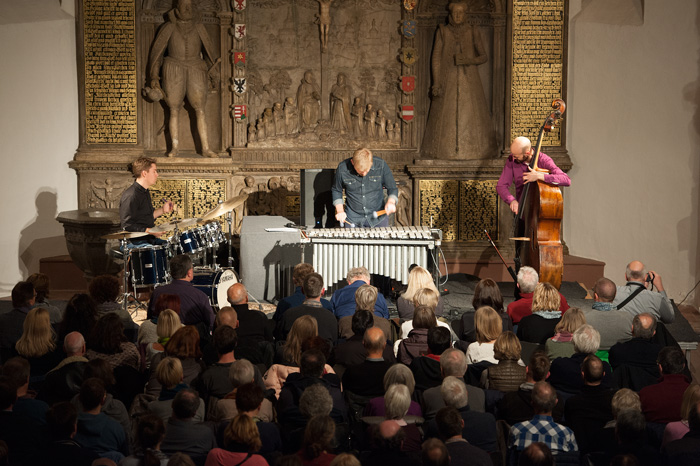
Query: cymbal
[(224, 207), (182, 223), (125, 235)]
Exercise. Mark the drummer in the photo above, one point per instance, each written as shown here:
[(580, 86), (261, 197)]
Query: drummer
[(136, 210)]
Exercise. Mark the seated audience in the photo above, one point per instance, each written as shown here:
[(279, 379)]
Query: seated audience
[(63, 381), (352, 352), (632, 441), (169, 374), (183, 434), (434, 453), (539, 325), (301, 271), (11, 323), (184, 345), (42, 286), (38, 345), (366, 379), (565, 373), (168, 322), (343, 300), (486, 293), (289, 351), (655, 303), (63, 450), (365, 299), (613, 325), (426, 368), (686, 450), (488, 326), (634, 361), (253, 325), (241, 441), (397, 374), (17, 373), (528, 279), (104, 290), (425, 297), (418, 278), (214, 382), (561, 345), (450, 425), (510, 372), (326, 321), (416, 343), (20, 433), (397, 400), (677, 429), (536, 454), (80, 315), (148, 329), (317, 444), (108, 342), (387, 439), (661, 402), (225, 408), (150, 432)]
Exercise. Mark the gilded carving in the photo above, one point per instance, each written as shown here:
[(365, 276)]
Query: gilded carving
[(478, 209), (439, 206)]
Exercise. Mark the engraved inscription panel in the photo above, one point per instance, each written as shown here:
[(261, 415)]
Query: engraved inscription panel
[(110, 71), (293, 207), (175, 190), (478, 210), (193, 198), (538, 61), (439, 199)]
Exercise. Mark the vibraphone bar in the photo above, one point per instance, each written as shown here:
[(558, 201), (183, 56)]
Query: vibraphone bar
[(384, 251)]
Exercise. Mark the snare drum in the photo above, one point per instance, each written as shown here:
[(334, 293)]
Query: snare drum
[(149, 265), (215, 284), (189, 242)]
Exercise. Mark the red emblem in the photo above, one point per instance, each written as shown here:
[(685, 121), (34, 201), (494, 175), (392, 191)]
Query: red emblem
[(407, 112), (239, 58), (239, 31), (240, 112), (239, 5), (408, 84)]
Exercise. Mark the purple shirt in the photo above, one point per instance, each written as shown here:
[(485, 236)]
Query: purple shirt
[(513, 172)]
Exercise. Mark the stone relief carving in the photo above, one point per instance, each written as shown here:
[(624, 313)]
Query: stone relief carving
[(404, 205), (106, 193)]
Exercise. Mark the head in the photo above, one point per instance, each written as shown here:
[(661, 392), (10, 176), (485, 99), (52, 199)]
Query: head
[(457, 13), (357, 273), (227, 316), (237, 294), (181, 267), (362, 158), (365, 298), (643, 325), (62, 420), (671, 360), (527, 279), (625, 399), (449, 422), (630, 426), (145, 171), (108, 334), (317, 343), (538, 367), (23, 295), (362, 319), (345, 459), (507, 347), (604, 290), (521, 149), (167, 301), (309, 76), (185, 404), (439, 339), (184, 9), (312, 363), (388, 436), (487, 324), (243, 431), (16, 372), (225, 340), (168, 324), (454, 392), (318, 437), (41, 284), (340, 79), (592, 370), (316, 400), (544, 398), (418, 278), (397, 400), (104, 289), (427, 297), (241, 372), (434, 453), (572, 319), (635, 272), (249, 181), (487, 293), (536, 454), (691, 397), (374, 341), (249, 397), (180, 459), (101, 369), (303, 328), (313, 286), (169, 372), (301, 271), (586, 339), (38, 336), (424, 317), (150, 431), (399, 374), (545, 298), (453, 362), (74, 344), (92, 393), (184, 343)]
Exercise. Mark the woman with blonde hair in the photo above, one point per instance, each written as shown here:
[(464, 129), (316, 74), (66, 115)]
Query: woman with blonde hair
[(539, 325), (418, 279), (561, 345), (677, 429), (242, 441), (426, 297), (486, 293), (184, 345), (510, 372), (38, 344), (488, 326), (168, 323)]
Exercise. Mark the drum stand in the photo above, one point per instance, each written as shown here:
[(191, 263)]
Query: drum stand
[(125, 283), (229, 220)]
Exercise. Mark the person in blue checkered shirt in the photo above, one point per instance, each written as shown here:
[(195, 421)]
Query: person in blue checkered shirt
[(542, 428)]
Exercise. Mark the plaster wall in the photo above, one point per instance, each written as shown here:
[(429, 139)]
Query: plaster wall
[(634, 139), (38, 137)]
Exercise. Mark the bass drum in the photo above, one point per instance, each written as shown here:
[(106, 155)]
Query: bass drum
[(215, 284)]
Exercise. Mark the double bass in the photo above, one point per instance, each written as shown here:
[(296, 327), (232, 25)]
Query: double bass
[(537, 225)]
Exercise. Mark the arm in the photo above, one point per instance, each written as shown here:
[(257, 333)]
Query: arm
[(504, 182), (391, 189), (337, 193), (556, 175), (157, 52)]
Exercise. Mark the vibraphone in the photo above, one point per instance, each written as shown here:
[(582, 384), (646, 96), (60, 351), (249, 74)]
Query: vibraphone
[(384, 251)]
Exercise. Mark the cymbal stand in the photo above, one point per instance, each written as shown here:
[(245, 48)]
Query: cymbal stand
[(229, 220)]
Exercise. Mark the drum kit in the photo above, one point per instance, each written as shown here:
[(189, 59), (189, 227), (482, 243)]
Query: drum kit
[(201, 238)]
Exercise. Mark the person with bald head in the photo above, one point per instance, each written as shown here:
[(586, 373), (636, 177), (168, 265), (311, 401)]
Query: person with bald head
[(636, 299), (367, 379), (253, 325), (387, 440), (613, 325), (63, 382), (518, 172), (636, 358)]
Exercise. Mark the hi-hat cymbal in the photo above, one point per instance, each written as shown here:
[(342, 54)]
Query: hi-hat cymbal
[(177, 223), (125, 235), (224, 207)]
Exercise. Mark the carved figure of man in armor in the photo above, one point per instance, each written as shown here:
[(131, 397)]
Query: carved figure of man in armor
[(308, 100), (185, 73), (341, 96), (459, 123)]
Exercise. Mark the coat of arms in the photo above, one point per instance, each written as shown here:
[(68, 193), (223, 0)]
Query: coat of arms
[(239, 31), (409, 55), (408, 28), (410, 4), (239, 85), (238, 5), (406, 113), (239, 58), (408, 84), (240, 112)]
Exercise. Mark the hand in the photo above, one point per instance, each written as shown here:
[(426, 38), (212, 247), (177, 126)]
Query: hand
[(437, 90), (168, 206), (530, 175), (514, 207), (155, 83), (390, 207), (657, 281), (341, 217)]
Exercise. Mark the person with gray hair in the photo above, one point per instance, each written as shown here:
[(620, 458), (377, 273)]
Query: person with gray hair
[(522, 307), (397, 374), (343, 300), (634, 361), (479, 427), (636, 299), (241, 372), (565, 373), (63, 381), (315, 401)]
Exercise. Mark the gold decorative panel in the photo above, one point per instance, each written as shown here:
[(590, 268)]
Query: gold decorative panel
[(293, 207), (110, 71), (439, 200), (193, 197), (538, 63), (478, 210)]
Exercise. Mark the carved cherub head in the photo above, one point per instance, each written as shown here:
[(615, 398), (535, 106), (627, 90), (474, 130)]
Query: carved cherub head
[(273, 183), (249, 181)]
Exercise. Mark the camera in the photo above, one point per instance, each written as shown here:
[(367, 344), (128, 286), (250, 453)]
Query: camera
[(650, 277)]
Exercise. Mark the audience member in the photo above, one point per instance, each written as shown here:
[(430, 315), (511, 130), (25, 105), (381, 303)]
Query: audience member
[(387, 439), (343, 300), (634, 361), (150, 432), (63, 381), (104, 290), (510, 372), (63, 450), (522, 307), (486, 293), (317, 444), (561, 345), (301, 271), (636, 299), (397, 374), (169, 375), (326, 321), (365, 300), (426, 367), (540, 324), (148, 328), (168, 322), (434, 453), (289, 352), (108, 342), (17, 372), (416, 343), (242, 442), (183, 434), (225, 408), (661, 402), (38, 345), (536, 454), (21, 433), (12, 323), (613, 325), (214, 381), (42, 285), (184, 345), (450, 425), (366, 379), (80, 315), (253, 325), (352, 352), (425, 297), (677, 429), (418, 278), (397, 401), (488, 326), (686, 450), (632, 441)]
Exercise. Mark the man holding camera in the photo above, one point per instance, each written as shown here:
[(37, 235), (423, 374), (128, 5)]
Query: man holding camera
[(636, 299)]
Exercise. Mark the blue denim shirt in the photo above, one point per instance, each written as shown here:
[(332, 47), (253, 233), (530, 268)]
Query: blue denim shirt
[(364, 194)]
